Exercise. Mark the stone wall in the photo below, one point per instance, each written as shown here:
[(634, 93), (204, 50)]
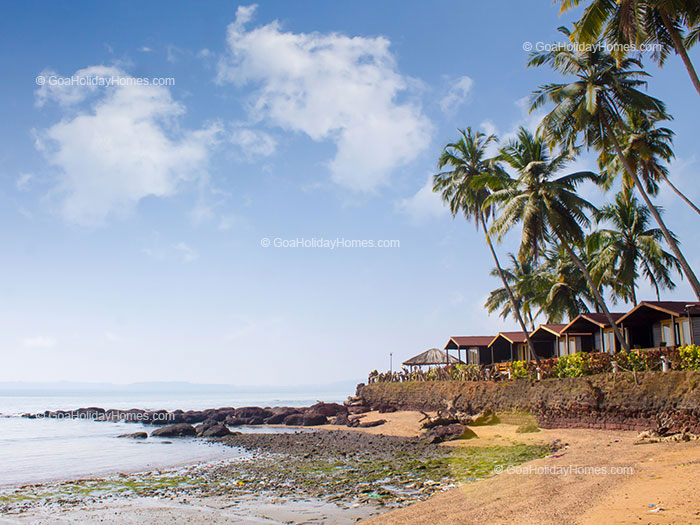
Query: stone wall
[(600, 401)]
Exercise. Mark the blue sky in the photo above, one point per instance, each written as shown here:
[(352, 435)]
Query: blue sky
[(133, 215)]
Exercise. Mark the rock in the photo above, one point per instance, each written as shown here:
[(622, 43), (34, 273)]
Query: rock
[(485, 417), (312, 419), (294, 420), (206, 425), (250, 412), (194, 416), (236, 421), (135, 435), (220, 414), (449, 433), (177, 430), (368, 424), (527, 427), (279, 413), (327, 409), (217, 430), (358, 409)]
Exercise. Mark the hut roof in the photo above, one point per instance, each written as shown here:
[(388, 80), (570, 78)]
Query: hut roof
[(432, 357), (466, 341)]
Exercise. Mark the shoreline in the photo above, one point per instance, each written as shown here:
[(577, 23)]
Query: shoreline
[(293, 477)]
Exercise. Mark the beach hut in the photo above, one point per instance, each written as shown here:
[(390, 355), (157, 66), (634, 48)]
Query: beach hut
[(589, 332), (432, 357), (547, 339), (655, 324), (475, 347)]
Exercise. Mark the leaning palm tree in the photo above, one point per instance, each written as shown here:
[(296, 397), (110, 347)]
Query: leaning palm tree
[(647, 148), (658, 22), (522, 278), (591, 108), (463, 187), (547, 206), (629, 246)]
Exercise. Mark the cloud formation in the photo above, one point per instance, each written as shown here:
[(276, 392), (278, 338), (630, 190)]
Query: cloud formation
[(331, 87), (424, 204), (118, 144), (457, 95)]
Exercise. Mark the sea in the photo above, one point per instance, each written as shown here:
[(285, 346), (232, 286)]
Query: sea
[(44, 450)]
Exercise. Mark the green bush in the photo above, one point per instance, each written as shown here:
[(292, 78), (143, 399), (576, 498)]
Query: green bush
[(519, 370), (690, 357), (632, 361), (572, 365)]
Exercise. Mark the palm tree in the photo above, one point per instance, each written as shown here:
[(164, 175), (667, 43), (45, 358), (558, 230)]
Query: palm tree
[(646, 150), (628, 247), (659, 22), (521, 276), (547, 206), (592, 106), (564, 290), (464, 189)]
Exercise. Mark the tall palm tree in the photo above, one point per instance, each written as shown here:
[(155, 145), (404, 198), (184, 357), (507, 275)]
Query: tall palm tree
[(660, 22), (547, 206), (592, 108), (464, 188), (522, 277), (629, 246)]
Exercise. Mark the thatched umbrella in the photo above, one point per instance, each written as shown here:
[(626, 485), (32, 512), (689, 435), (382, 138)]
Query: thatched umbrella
[(432, 357)]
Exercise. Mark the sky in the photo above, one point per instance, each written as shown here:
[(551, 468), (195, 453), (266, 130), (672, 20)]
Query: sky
[(223, 223)]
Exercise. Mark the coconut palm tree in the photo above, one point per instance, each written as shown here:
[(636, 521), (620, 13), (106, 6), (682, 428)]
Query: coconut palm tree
[(521, 276), (564, 291), (547, 205), (592, 108), (659, 22), (647, 149), (464, 188), (629, 247)]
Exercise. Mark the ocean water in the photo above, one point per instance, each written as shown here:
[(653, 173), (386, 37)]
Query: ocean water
[(37, 450)]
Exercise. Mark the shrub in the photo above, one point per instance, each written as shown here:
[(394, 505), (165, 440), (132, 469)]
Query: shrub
[(632, 361), (572, 365), (689, 357), (519, 370)]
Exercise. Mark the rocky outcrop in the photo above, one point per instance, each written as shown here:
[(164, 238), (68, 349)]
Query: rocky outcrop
[(654, 400), (134, 435)]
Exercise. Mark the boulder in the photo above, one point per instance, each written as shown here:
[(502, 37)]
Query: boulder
[(312, 419), (236, 421), (279, 413), (448, 433), (327, 409), (368, 424), (194, 416), (205, 425), (217, 430), (177, 430), (294, 420), (134, 435), (358, 409), (250, 412), (486, 417)]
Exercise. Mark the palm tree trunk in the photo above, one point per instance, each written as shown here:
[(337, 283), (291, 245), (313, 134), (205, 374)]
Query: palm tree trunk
[(516, 310), (687, 270), (678, 192), (680, 48), (598, 297)]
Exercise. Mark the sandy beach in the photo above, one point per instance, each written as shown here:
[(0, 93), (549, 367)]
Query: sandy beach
[(596, 476)]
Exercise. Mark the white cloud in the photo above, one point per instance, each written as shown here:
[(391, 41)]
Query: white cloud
[(23, 181), (529, 121), (330, 87), (253, 143), (117, 145), (457, 94), (38, 342), (425, 204), (186, 252)]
